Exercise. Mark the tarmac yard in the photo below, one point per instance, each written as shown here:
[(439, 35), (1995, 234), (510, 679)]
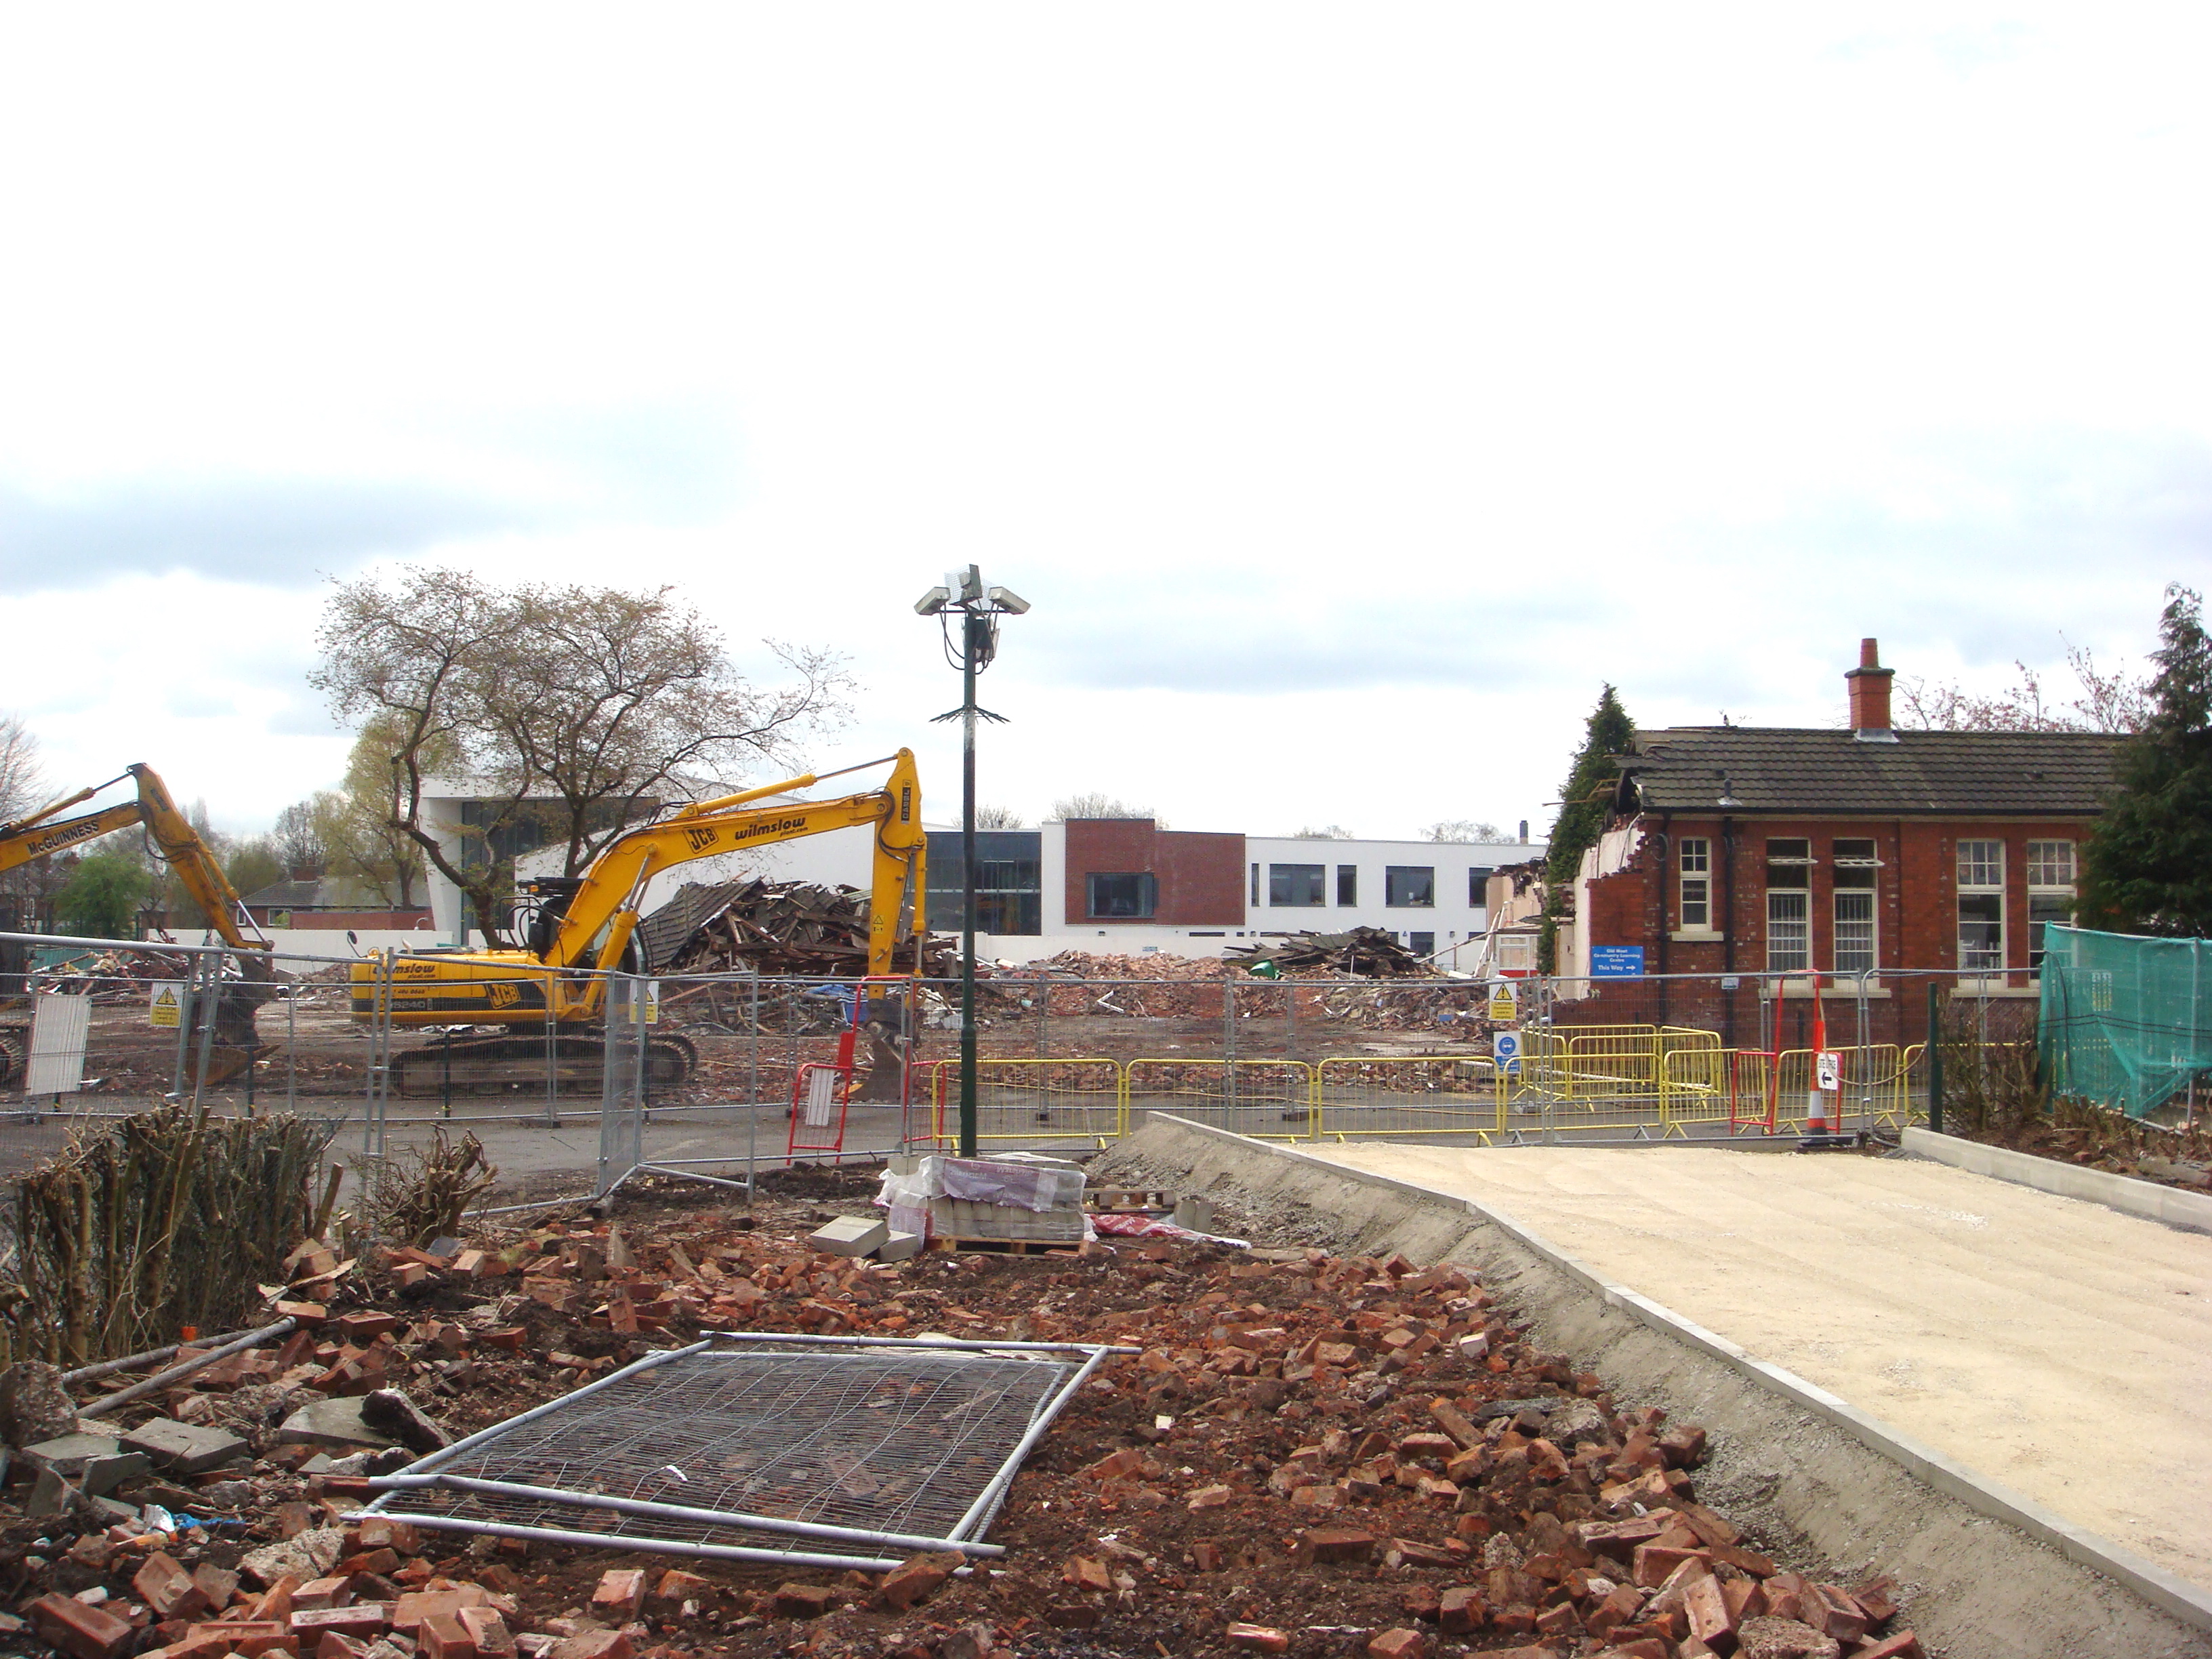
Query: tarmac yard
[(2049, 1345)]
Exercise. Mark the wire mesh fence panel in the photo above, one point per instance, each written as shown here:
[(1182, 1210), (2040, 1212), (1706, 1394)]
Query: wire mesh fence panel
[(1267, 1099), (1413, 1095), (1029, 1102)]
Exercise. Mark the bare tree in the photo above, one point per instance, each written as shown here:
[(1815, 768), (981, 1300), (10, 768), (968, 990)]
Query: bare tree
[(1096, 804), (2104, 700), (569, 710), (1462, 829), (1329, 832), (998, 817), (299, 840), (21, 778)]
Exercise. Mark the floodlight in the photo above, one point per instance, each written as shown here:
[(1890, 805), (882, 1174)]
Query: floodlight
[(932, 602), (1006, 600)]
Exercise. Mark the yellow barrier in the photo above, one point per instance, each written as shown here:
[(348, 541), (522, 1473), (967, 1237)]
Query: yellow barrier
[(1408, 1094), (1033, 1100), (1253, 1097)]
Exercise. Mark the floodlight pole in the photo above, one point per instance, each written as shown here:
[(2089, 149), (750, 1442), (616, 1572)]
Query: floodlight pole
[(970, 625), (979, 609)]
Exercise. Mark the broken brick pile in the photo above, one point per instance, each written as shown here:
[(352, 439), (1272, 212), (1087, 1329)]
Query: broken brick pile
[(1309, 1454)]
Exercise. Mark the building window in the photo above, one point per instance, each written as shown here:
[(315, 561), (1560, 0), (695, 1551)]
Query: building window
[(1348, 884), (1124, 897), (1009, 881), (1255, 884), (1297, 884), (1697, 862), (1409, 886), (2050, 893), (1422, 945), (1789, 906), (1981, 906), (1478, 883), (1856, 874)]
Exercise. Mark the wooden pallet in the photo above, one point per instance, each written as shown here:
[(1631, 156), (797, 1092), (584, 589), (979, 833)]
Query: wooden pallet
[(1129, 1200)]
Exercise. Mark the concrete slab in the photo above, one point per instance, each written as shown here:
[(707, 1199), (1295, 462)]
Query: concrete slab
[(2049, 1344)]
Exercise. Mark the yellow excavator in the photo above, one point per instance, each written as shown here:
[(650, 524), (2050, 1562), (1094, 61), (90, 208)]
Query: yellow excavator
[(540, 995), (235, 1043)]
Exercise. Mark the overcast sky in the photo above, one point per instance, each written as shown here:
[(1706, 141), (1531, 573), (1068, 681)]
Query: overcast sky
[(1352, 389)]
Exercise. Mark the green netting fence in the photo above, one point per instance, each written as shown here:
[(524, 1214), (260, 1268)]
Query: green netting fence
[(2125, 1022)]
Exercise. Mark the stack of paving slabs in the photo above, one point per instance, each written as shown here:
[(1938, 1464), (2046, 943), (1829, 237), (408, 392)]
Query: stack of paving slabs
[(1012, 1198)]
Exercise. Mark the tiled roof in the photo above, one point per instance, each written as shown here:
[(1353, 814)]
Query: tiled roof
[(1774, 769)]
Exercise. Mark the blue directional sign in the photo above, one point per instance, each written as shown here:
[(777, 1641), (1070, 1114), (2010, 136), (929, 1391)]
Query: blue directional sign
[(1616, 961)]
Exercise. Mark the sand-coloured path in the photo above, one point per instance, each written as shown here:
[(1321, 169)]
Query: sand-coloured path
[(2049, 1344)]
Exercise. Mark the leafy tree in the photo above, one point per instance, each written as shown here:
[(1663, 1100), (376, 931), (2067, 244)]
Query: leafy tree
[(569, 711), (101, 898), (1583, 811), (1463, 829), (255, 863), (2147, 867)]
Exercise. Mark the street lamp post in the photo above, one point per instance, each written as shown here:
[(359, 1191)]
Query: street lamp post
[(978, 609)]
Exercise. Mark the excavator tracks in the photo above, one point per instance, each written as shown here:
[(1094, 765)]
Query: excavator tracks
[(506, 1065)]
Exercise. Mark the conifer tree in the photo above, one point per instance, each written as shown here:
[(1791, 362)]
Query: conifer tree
[(1581, 816)]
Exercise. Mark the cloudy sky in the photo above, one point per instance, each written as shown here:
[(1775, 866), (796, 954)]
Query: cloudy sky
[(1352, 389)]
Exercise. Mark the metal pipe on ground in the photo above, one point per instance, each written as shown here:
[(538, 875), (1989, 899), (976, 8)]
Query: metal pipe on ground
[(198, 1362), (131, 1361)]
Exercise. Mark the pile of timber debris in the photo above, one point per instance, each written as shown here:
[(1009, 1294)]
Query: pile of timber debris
[(1367, 953), (1311, 1455), (775, 928)]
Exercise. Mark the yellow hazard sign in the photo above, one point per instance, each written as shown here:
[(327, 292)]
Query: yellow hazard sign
[(1504, 1005), (166, 1009)]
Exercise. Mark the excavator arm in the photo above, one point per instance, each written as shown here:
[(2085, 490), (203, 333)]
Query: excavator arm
[(604, 908)]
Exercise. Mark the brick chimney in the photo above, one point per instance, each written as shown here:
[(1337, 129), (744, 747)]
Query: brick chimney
[(1869, 685)]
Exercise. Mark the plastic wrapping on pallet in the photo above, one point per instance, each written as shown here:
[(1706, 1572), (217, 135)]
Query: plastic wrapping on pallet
[(1016, 1196)]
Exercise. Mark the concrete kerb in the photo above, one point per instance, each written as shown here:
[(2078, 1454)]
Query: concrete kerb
[(2168, 1206), (2164, 1590)]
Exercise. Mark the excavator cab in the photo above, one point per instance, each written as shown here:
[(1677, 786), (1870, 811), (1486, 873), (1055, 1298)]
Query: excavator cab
[(554, 895)]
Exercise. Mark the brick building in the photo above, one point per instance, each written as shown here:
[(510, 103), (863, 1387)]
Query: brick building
[(1769, 856)]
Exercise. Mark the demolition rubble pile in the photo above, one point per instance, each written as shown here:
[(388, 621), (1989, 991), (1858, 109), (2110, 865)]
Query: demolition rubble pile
[(1308, 1454), (776, 927), (1366, 952), (1410, 997)]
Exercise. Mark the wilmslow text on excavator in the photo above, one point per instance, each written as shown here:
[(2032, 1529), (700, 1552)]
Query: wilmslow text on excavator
[(173, 839), (542, 995)]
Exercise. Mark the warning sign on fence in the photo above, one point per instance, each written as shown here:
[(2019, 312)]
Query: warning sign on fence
[(1503, 1003), (166, 1008)]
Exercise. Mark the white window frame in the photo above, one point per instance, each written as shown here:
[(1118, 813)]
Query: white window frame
[(1843, 897), (1781, 926), (2050, 876), (1980, 877), (1694, 872)]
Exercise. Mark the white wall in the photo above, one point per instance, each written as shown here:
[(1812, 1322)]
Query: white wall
[(1453, 920)]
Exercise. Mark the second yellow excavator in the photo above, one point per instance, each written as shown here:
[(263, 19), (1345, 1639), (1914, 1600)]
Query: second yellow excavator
[(41, 834), (547, 991)]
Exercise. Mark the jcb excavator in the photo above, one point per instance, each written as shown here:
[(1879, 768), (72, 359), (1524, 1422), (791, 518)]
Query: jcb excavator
[(235, 1043), (548, 989)]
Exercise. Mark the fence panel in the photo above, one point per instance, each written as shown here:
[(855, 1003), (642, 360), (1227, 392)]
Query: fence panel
[(1413, 1095), (1034, 1102), (1266, 1099)]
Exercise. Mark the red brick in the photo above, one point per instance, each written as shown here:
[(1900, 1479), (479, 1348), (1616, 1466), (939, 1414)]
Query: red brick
[(442, 1636), (1710, 1621), (1903, 1645), (332, 1592), (356, 1618), (1206, 1557), (804, 1600), (1460, 1610), (1324, 1544), (167, 1589), (1684, 1447), (409, 1611), (595, 1644), (1878, 1597), (1655, 1562), (621, 1592), (1086, 1573), (917, 1579), (332, 1645), (1257, 1639), (488, 1632), (1398, 1644), (87, 1632), (249, 1637)]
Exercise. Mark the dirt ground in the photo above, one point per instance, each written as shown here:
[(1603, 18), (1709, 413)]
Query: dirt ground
[(2054, 1346), (1164, 1505)]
